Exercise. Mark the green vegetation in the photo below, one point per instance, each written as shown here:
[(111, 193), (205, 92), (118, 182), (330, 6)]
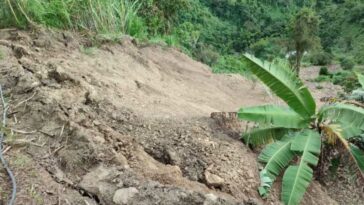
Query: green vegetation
[(90, 51), (214, 32), (347, 63), (303, 36), (358, 94), (100, 16), (324, 71), (320, 58), (218, 32), (297, 131)]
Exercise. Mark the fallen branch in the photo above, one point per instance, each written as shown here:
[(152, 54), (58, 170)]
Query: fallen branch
[(24, 101), (6, 150), (24, 132)]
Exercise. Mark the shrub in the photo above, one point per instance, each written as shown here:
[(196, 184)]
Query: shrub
[(322, 78), (346, 79), (207, 54), (347, 63), (265, 49), (320, 58), (324, 71), (229, 64)]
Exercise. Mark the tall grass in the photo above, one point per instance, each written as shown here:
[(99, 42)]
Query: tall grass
[(100, 16)]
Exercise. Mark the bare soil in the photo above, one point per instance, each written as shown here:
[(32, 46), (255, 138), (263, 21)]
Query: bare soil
[(128, 124)]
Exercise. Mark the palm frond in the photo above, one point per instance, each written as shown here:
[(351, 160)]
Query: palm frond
[(273, 115), (285, 85), (361, 79), (343, 113), (263, 136), (308, 143), (276, 157), (358, 155), (297, 178)]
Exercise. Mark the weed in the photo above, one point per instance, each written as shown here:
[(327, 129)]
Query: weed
[(21, 161), (35, 195), (90, 51), (322, 78)]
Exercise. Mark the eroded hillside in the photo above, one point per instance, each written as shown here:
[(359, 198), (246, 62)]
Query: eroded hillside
[(126, 124)]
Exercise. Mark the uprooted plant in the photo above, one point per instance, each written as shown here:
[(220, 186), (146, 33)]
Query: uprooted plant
[(295, 133)]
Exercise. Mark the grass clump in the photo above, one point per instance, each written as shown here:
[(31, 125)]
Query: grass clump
[(100, 16), (90, 51)]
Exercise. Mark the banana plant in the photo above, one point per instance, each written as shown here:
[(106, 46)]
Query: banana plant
[(293, 134)]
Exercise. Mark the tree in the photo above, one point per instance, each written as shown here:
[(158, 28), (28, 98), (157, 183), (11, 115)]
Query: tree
[(304, 30), (297, 131)]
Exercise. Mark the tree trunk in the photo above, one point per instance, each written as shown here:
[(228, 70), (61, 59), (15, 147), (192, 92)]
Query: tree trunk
[(299, 55)]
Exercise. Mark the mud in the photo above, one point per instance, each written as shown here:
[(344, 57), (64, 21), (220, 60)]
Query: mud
[(125, 125)]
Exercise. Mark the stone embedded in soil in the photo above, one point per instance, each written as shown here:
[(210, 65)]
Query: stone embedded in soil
[(91, 181), (210, 199), (213, 179), (20, 51), (122, 196), (121, 160)]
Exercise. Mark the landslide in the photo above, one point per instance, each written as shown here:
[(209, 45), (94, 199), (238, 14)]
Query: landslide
[(124, 123)]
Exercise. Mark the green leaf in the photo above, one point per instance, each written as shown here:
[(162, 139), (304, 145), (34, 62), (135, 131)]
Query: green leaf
[(265, 184), (273, 115), (308, 143), (263, 136), (361, 79), (358, 156), (296, 179), (343, 113), (285, 84), (349, 130), (276, 157)]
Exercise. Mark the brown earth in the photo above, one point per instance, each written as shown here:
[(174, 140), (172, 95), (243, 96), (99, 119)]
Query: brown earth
[(126, 124)]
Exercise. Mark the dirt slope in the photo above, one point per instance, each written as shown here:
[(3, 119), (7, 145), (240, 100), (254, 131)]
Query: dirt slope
[(125, 125)]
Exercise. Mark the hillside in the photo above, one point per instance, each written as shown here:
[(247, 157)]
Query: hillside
[(130, 124), (213, 32)]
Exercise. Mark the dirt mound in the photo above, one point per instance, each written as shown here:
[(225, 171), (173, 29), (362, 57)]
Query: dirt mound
[(124, 125)]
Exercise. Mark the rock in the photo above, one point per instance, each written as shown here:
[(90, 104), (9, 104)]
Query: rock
[(99, 182), (42, 43), (27, 83), (58, 73), (210, 199), (121, 159), (213, 179), (122, 196), (173, 158), (20, 51), (92, 97), (91, 180), (106, 191)]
